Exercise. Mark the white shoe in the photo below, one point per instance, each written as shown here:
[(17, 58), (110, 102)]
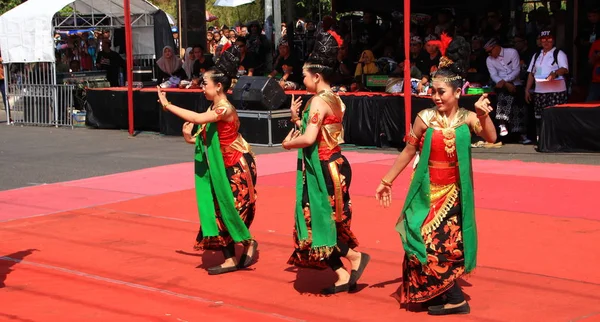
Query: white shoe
[(503, 130)]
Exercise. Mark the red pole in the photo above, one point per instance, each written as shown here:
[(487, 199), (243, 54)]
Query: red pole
[(129, 53), (407, 83)]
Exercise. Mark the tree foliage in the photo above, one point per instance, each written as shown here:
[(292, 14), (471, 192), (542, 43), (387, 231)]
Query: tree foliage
[(227, 16), (6, 5)]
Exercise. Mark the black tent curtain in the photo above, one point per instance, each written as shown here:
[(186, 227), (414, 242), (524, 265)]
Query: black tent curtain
[(163, 36)]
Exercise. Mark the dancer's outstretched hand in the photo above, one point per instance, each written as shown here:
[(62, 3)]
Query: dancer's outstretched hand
[(162, 97), (292, 135), (384, 195), (483, 105), (187, 128), (296, 105)]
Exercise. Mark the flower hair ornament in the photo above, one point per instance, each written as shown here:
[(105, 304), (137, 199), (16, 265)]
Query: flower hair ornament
[(445, 61)]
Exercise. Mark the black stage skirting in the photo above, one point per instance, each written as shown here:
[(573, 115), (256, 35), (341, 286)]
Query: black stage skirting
[(571, 128), (370, 120)]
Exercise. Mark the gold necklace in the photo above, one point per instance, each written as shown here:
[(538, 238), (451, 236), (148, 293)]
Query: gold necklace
[(449, 134)]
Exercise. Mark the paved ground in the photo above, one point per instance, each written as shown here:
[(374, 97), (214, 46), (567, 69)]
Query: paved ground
[(37, 155)]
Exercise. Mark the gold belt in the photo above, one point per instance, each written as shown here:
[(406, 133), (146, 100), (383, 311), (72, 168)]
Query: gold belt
[(443, 164)]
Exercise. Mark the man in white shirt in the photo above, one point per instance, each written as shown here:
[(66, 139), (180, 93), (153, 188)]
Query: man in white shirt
[(546, 70), (504, 67)]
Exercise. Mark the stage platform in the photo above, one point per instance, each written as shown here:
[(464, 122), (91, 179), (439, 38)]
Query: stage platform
[(573, 127), (119, 248)]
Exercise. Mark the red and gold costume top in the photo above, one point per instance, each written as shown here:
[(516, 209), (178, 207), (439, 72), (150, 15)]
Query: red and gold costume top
[(331, 135), (443, 163), (233, 145)]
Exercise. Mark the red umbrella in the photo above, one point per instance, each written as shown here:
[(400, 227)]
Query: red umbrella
[(210, 17)]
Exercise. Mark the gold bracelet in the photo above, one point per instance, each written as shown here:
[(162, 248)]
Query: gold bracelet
[(165, 105), (482, 115), (295, 119), (386, 183)]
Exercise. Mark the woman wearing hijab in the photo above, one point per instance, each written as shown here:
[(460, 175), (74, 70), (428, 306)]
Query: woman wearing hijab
[(188, 62), (169, 65), (366, 65)]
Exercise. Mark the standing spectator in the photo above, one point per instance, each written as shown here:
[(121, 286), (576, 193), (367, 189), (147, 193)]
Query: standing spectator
[(176, 39), (504, 67), (588, 34), (2, 84), (111, 62), (496, 27), (594, 93), (547, 70), (526, 52)]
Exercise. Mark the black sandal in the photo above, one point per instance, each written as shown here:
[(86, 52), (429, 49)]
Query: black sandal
[(246, 261), (441, 310), (356, 274), (217, 270), (333, 289)]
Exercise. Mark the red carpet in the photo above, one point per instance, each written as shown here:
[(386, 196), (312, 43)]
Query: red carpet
[(123, 252)]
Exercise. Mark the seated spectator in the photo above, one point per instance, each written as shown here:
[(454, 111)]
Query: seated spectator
[(75, 66), (288, 67), (169, 65), (201, 63), (366, 65), (188, 62), (247, 59)]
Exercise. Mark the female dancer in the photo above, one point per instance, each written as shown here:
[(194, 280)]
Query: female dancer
[(224, 166), (437, 223), (323, 209)]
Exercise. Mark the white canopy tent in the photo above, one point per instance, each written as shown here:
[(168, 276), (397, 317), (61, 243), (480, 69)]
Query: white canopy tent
[(26, 32)]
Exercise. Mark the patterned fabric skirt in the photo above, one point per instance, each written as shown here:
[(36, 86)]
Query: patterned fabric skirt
[(445, 260), (543, 100), (242, 179), (338, 174), (511, 109)]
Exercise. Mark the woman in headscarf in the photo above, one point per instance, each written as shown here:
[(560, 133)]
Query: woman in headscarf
[(225, 169), (169, 65), (437, 224), (323, 208), (188, 62), (366, 65)]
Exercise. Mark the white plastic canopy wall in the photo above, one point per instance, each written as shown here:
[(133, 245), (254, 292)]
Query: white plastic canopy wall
[(26, 32)]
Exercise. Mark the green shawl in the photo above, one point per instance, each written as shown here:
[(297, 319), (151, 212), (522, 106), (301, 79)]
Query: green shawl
[(417, 203), (211, 182), (324, 234)]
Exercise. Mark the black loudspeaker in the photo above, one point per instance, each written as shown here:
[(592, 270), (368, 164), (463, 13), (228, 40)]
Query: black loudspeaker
[(258, 94), (193, 23)]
